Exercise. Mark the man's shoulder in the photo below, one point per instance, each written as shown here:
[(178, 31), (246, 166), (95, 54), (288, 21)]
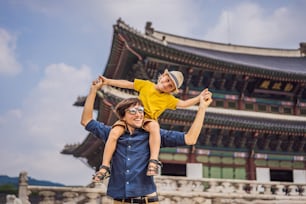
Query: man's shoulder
[(172, 138), (97, 124), (165, 132)]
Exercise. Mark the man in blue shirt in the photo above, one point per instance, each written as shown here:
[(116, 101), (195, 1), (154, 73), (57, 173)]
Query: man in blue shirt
[(128, 182)]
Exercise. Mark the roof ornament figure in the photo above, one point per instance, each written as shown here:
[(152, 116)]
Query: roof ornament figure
[(303, 48), (164, 40), (148, 29)]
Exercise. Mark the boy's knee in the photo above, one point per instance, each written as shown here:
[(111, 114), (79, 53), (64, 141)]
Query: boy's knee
[(151, 125), (117, 131)]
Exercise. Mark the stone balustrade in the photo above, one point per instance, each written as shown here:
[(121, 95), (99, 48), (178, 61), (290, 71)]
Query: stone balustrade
[(178, 190), (199, 191)]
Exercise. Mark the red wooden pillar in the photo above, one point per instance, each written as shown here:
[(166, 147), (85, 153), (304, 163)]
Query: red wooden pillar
[(192, 155), (251, 167)]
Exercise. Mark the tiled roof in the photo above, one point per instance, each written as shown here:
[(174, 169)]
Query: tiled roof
[(296, 65), (276, 67)]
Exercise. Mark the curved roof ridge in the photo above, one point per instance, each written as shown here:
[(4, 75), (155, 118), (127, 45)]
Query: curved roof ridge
[(164, 38), (232, 48)]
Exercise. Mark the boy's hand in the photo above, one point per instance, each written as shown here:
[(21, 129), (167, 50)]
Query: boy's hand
[(103, 79)]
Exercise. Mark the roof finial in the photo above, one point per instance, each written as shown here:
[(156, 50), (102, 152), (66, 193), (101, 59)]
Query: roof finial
[(303, 48), (148, 29)]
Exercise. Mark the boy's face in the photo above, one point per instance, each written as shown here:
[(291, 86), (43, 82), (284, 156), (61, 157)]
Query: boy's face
[(165, 84)]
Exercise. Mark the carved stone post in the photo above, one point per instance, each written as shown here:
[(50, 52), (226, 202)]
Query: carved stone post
[(212, 187), (48, 197), (280, 189), (267, 188), (216, 201), (293, 190), (92, 197), (23, 188), (69, 197), (303, 190)]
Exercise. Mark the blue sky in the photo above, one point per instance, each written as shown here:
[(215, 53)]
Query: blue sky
[(51, 51)]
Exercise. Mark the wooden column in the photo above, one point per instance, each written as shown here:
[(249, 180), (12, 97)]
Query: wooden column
[(251, 167), (192, 155)]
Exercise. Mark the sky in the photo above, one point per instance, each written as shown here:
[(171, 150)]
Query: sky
[(51, 50)]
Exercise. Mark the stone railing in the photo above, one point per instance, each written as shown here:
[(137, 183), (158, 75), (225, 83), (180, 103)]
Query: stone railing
[(56, 195), (201, 191), (177, 190)]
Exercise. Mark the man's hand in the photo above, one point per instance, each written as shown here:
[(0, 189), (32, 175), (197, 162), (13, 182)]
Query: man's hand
[(97, 84), (206, 98), (87, 114), (193, 133)]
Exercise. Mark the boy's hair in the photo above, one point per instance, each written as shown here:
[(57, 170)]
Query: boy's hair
[(176, 76), (125, 104)]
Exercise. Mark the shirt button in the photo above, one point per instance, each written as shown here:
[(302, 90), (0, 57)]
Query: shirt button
[(128, 159), (127, 183), (129, 146), (127, 171)]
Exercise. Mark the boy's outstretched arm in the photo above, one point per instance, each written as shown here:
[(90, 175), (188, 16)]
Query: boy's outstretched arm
[(191, 101), (193, 133), (120, 83)]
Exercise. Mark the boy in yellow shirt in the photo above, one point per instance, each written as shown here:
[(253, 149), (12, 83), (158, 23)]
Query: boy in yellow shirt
[(156, 98)]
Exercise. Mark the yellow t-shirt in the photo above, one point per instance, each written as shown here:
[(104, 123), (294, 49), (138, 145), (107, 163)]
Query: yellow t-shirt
[(154, 102)]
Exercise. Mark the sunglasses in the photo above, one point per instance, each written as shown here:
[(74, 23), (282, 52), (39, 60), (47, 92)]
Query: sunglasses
[(133, 111)]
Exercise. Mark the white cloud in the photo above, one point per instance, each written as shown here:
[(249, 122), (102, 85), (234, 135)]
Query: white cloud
[(14, 113), (251, 24), (48, 121), (173, 15), (8, 62), (176, 16)]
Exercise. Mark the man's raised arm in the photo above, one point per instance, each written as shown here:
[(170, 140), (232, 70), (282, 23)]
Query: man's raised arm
[(193, 133), (87, 114)]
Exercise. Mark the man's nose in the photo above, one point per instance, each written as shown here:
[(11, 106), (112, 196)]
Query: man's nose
[(138, 113)]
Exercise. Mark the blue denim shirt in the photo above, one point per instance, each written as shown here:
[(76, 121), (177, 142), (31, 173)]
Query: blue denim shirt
[(130, 160)]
